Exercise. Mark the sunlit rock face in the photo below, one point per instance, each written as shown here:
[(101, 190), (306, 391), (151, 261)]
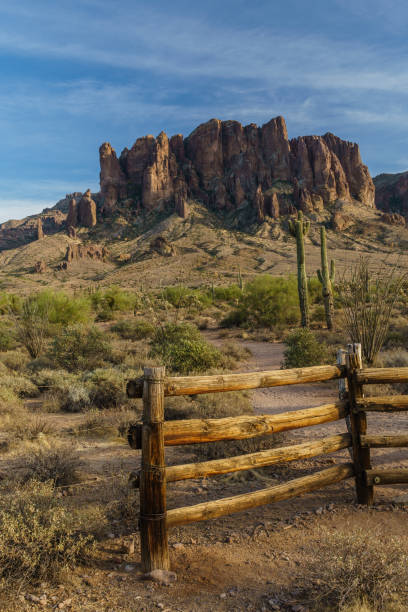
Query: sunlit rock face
[(227, 165)]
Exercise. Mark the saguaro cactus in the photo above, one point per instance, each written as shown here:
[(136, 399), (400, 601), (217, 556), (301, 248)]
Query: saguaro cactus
[(299, 229), (326, 278)]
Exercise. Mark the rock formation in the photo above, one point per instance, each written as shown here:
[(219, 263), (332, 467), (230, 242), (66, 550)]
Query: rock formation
[(16, 233), (391, 193), (162, 246), (40, 267), (226, 165), (393, 219), (87, 210), (76, 252), (40, 231), (72, 217)]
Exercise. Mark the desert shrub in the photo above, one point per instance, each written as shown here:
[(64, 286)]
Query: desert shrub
[(10, 302), (230, 294), (235, 353), (64, 389), (107, 387), (57, 463), (369, 297), (32, 326), (265, 302), (182, 348), (61, 308), (39, 538), (113, 299), (15, 360), (183, 297), (20, 385), (356, 566), (76, 399), (107, 423), (396, 358), (29, 427), (7, 337), (9, 400), (81, 348), (303, 350), (133, 330)]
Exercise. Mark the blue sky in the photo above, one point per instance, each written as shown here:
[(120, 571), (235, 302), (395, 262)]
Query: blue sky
[(76, 73)]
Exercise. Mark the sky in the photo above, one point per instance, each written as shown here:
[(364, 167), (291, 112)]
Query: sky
[(77, 73)]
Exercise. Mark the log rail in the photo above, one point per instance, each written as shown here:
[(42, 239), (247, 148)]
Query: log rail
[(154, 433)]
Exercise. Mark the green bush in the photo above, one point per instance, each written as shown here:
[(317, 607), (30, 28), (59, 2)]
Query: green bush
[(265, 302), (81, 348), (182, 348), (113, 299), (32, 326), (231, 294), (7, 336), (304, 350), (183, 297), (39, 537), (133, 330), (9, 302), (62, 309)]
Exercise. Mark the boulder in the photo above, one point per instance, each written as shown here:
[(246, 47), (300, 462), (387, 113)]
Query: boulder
[(393, 219), (162, 246), (341, 222), (40, 267)]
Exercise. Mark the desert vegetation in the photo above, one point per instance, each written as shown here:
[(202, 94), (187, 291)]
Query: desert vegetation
[(65, 359)]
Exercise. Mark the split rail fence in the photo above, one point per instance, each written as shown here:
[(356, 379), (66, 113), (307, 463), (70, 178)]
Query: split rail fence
[(154, 433)]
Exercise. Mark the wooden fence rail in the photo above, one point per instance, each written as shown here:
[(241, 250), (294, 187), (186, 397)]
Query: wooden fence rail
[(154, 433)]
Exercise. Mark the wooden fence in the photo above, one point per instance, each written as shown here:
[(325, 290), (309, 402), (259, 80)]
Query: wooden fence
[(154, 433)]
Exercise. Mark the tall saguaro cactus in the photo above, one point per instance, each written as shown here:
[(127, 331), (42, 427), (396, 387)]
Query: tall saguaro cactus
[(299, 229), (326, 278)]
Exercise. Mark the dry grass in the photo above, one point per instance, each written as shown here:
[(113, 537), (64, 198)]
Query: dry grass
[(356, 568)]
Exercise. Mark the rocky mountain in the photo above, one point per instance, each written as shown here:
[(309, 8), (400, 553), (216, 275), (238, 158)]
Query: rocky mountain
[(391, 193), (226, 165), (223, 165)]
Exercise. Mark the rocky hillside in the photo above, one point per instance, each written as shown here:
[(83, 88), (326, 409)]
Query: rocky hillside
[(226, 166), (391, 193)]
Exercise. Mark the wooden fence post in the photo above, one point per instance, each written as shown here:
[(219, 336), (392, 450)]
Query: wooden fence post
[(153, 525), (361, 455)]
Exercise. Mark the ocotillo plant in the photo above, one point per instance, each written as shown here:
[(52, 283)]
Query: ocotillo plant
[(326, 278), (299, 229)]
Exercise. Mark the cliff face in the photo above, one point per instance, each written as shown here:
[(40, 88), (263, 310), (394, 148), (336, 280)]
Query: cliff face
[(391, 193), (226, 165)]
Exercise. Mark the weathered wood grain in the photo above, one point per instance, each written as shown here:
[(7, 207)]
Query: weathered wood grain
[(383, 477), (194, 431), (229, 505), (259, 459), (194, 385), (379, 441)]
